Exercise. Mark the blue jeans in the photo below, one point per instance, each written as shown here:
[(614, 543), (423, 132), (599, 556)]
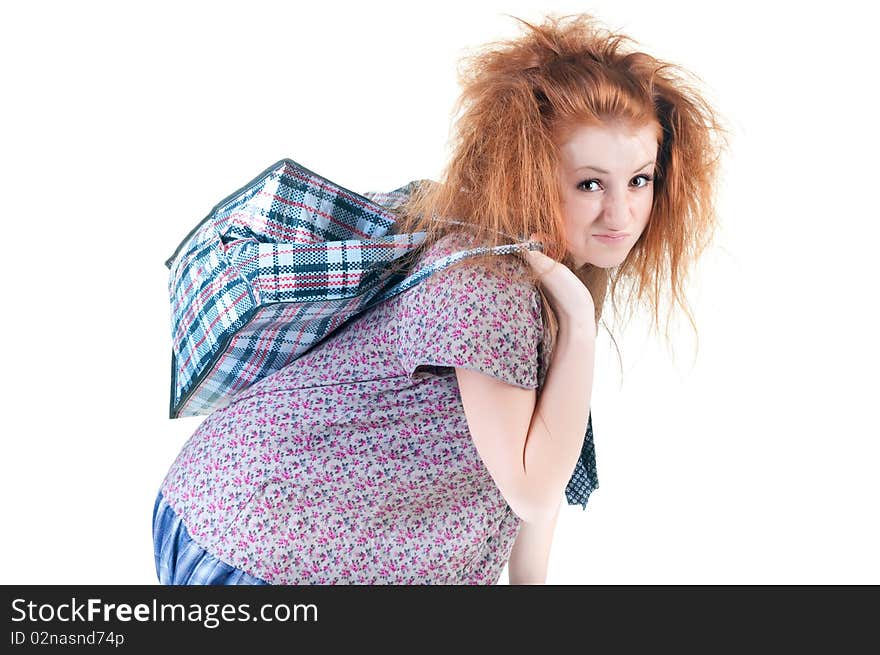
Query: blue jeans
[(181, 561)]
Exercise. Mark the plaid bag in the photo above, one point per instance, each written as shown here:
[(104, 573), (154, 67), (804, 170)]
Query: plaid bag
[(279, 265)]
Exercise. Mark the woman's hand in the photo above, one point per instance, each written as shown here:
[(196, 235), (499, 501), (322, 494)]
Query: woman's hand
[(569, 297)]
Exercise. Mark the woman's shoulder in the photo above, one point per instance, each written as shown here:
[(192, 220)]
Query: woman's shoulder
[(449, 244), (471, 316), (498, 269), (490, 290)]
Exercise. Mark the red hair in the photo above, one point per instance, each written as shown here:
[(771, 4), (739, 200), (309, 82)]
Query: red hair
[(519, 98)]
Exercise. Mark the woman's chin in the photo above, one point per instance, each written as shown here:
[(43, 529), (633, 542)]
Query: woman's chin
[(599, 260), (603, 261)]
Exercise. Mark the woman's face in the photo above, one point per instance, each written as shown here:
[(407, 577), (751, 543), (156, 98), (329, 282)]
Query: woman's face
[(606, 173)]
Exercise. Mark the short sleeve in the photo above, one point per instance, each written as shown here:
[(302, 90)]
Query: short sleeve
[(476, 317)]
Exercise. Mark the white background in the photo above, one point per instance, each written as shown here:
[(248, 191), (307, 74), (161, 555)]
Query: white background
[(750, 460)]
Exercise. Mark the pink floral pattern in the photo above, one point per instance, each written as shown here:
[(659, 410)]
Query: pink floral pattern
[(354, 465)]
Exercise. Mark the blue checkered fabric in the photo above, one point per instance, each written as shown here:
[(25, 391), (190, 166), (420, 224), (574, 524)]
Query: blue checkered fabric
[(278, 266), (585, 479), (181, 561), (274, 269)]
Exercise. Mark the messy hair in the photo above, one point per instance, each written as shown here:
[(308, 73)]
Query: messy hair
[(519, 98)]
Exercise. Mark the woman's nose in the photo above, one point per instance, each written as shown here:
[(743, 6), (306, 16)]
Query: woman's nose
[(616, 211)]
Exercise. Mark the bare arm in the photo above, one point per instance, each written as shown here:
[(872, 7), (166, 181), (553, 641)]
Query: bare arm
[(531, 449), (531, 552), (531, 445)]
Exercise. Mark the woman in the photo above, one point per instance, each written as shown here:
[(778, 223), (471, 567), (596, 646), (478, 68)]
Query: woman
[(431, 440)]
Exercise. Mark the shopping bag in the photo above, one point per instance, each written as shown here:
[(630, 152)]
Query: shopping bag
[(278, 266), (274, 269)]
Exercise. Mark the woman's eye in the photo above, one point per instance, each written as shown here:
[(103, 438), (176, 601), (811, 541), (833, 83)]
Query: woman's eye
[(648, 179), (587, 182)]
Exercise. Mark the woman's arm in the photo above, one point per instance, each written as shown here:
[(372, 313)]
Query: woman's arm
[(530, 446), (531, 552)]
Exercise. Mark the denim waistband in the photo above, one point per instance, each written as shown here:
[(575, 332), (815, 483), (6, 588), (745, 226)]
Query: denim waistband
[(181, 561)]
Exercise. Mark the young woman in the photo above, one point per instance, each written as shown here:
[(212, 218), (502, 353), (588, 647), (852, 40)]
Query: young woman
[(431, 440)]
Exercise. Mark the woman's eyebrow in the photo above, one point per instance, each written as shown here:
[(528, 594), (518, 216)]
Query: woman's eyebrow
[(606, 172)]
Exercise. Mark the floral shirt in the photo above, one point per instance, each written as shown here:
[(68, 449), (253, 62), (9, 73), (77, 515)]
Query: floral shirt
[(354, 464)]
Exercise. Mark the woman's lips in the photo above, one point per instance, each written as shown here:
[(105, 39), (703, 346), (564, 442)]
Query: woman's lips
[(607, 239)]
